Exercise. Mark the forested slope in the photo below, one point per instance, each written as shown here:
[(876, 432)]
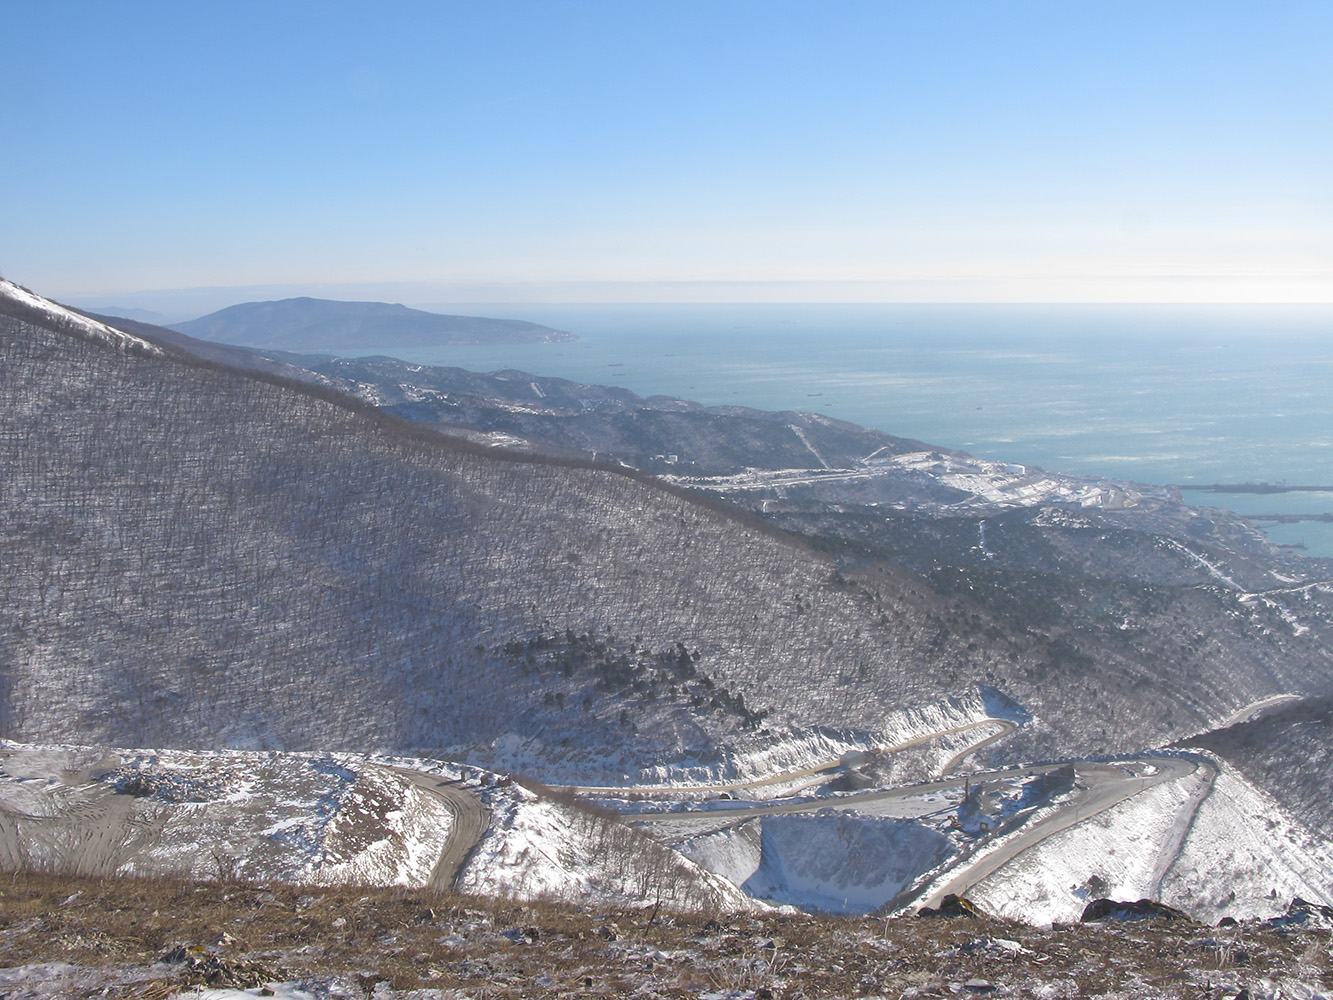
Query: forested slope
[(197, 556), (203, 557)]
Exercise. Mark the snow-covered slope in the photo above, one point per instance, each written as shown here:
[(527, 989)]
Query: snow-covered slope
[(540, 848), (20, 299), (843, 863), (1210, 844), (324, 819), (317, 818)]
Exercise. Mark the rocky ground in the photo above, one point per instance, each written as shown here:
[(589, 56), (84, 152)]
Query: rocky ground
[(81, 937)]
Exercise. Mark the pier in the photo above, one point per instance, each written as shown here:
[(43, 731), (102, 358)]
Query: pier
[(1288, 518), (1255, 488)]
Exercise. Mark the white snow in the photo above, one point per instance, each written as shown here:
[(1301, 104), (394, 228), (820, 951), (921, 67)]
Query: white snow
[(809, 447), (797, 751), (282, 991), (315, 818), (1212, 847), (1048, 883), (93, 330), (1244, 596), (842, 863), (989, 485), (1245, 858), (537, 848)]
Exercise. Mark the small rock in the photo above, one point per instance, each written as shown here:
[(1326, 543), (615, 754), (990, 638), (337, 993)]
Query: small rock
[(951, 906)]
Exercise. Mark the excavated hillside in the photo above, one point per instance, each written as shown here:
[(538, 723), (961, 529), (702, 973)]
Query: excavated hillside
[(199, 556)]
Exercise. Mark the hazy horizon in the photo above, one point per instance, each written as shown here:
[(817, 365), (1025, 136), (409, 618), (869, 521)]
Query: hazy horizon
[(737, 151), (170, 306)]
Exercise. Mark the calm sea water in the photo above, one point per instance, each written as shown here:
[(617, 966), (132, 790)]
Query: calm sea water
[(1151, 394)]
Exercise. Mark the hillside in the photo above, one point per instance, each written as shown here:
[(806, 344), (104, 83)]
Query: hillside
[(204, 555), (558, 417), (1288, 751), (658, 434), (324, 324)]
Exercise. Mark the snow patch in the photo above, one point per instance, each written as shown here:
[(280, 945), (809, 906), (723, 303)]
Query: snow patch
[(843, 863), (88, 328)]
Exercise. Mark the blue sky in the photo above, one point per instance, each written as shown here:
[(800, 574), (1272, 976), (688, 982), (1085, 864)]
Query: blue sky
[(654, 151)]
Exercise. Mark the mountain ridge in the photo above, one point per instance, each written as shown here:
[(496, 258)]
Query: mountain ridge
[(231, 551), (328, 324), (542, 564)]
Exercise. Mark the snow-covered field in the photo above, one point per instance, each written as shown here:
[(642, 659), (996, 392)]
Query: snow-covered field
[(1243, 857), (842, 863), (1198, 838), (541, 849), (324, 819), (310, 818)]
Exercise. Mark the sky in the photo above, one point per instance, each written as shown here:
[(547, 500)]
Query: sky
[(668, 151)]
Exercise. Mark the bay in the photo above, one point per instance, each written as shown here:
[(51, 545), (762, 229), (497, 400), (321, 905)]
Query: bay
[(1183, 395)]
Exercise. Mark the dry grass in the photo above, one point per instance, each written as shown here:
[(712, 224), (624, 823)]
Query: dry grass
[(244, 935)]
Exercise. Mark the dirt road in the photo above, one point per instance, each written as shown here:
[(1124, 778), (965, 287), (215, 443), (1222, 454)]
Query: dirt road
[(57, 817), (470, 817), (210, 811), (1105, 785)]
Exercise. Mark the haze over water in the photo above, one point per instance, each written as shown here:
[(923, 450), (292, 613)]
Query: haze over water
[(1154, 394)]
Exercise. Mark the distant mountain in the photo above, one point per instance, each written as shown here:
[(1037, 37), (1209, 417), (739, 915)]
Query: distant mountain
[(323, 324)]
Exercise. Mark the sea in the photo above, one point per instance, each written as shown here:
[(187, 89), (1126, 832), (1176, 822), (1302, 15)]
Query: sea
[(1184, 395)]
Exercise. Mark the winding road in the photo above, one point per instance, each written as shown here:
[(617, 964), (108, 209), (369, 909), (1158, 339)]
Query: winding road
[(470, 816), (1105, 786), (828, 767), (1099, 785), (55, 814)]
